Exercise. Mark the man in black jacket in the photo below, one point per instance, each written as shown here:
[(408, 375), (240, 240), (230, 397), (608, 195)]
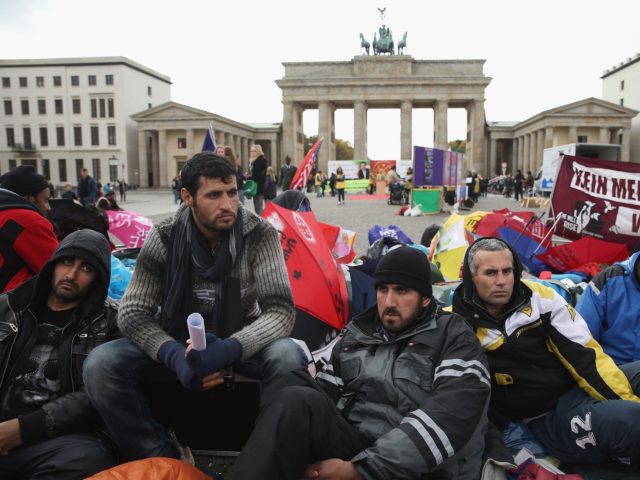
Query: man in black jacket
[(404, 396), (48, 325)]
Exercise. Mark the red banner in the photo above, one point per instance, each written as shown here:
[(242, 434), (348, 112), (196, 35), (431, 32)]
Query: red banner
[(600, 198)]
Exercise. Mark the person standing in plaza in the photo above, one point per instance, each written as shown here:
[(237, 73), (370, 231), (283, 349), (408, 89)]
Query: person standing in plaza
[(229, 155), (122, 188), (340, 185), (176, 186), (87, 188), (258, 166), (518, 182), (287, 172)]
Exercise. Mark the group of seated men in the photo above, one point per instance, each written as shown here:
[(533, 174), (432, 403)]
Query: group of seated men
[(410, 390)]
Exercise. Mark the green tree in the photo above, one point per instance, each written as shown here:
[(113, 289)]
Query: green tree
[(344, 150), (458, 146)]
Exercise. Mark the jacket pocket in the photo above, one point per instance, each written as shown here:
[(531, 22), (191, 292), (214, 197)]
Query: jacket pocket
[(350, 369), (414, 368)]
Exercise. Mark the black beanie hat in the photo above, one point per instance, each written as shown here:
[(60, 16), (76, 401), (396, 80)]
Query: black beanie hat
[(405, 266), (23, 180)]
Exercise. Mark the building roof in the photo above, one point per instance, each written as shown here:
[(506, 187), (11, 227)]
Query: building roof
[(621, 65), (83, 61)]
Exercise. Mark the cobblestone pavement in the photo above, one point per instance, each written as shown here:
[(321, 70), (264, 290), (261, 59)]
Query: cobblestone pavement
[(358, 215)]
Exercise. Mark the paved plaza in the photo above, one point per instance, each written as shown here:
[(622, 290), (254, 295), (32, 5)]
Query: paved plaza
[(357, 215)]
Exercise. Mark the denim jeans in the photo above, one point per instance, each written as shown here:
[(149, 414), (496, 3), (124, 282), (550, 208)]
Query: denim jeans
[(115, 374)]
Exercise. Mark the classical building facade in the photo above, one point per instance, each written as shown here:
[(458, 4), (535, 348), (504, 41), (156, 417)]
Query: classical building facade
[(368, 82), (621, 85), (520, 145), (61, 115), (171, 133)]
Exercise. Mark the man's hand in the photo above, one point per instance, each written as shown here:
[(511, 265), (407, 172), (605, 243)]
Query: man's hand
[(212, 381), (218, 355), (172, 356), (10, 436), (332, 469)]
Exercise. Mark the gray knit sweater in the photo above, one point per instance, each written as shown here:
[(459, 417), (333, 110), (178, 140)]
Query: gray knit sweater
[(266, 299)]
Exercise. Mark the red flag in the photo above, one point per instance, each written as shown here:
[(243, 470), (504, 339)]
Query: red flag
[(302, 174)]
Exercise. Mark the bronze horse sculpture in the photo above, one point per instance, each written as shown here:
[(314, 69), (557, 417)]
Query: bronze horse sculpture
[(385, 43), (402, 44), (364, 44)]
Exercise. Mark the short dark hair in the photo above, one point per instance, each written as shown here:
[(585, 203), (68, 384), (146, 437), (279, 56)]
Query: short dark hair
[(486, 245), (207, 165)]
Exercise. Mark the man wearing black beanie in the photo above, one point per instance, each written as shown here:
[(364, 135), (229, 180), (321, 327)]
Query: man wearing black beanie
[(27, 239), (404, 396)]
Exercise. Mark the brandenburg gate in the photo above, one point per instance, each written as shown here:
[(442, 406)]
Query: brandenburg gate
[(395, 81)]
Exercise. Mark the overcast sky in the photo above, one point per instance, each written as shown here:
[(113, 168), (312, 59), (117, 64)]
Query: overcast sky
[(224, 56)]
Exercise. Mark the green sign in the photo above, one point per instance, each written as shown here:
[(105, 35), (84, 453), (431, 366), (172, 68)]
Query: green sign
[(356, 185)]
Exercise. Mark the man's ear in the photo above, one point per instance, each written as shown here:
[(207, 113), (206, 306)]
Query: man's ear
[(186, 197), (426, 301)]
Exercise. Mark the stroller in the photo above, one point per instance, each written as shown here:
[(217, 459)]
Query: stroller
[(397, 194)]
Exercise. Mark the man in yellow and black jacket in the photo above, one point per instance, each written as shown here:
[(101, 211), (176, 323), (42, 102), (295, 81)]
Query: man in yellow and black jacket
[(546, 368)]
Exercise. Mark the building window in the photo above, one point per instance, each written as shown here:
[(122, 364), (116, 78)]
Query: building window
[(182, 142), (31, 163), (42, 106), (102, 108), (149, 90), (62, 169), (621, 84), (110, 107), (92, 80), (26, 137), (95, 163), (6, 82), (22, 81), (94, 108), (8, 107), (40, 81), (113, 173), (57, 81), (58, 105), (24, 106), (108, 79), (44, 137), (75, 105), (79, 167), (149, 105), (583, 139), (111, 134), (622, 102), (75, 80), (46, 169), (60, 136), (95, 136), (77, 136), (11, 138), (12, 163)]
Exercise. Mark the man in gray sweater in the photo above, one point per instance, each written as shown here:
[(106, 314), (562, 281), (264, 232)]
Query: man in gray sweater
[(218, 259)]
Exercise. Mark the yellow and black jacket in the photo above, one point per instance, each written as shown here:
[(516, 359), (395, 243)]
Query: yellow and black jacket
[(538, 349)]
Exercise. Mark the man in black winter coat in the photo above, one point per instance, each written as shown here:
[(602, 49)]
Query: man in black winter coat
[(404, 395), (48, 325)]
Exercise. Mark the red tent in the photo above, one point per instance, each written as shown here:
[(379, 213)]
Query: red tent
[(583, 251)]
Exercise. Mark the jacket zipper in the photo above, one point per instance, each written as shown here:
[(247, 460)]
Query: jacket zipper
[(73, 339)]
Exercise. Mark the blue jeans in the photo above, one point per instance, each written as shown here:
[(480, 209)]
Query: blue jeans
[(115, 374), (584, 430)]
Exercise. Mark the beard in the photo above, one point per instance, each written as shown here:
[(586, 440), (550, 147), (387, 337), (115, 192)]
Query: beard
[(212, 224)]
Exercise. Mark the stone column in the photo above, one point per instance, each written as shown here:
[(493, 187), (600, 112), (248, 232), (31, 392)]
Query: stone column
[(227, 140), (494, 157), (625, 153), (190, 145), (406, 129), (326, 130), (236, 145), (219, 136), (521, 154), (476, 156), (539, 151), (143, 171), (604, 135), (243, 154), (360, 130), (160, 179), (289, 132), (526, 158), (274, 161), (440, 112), (533, 154), (515, 155), (573, 134), (548, 137)]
